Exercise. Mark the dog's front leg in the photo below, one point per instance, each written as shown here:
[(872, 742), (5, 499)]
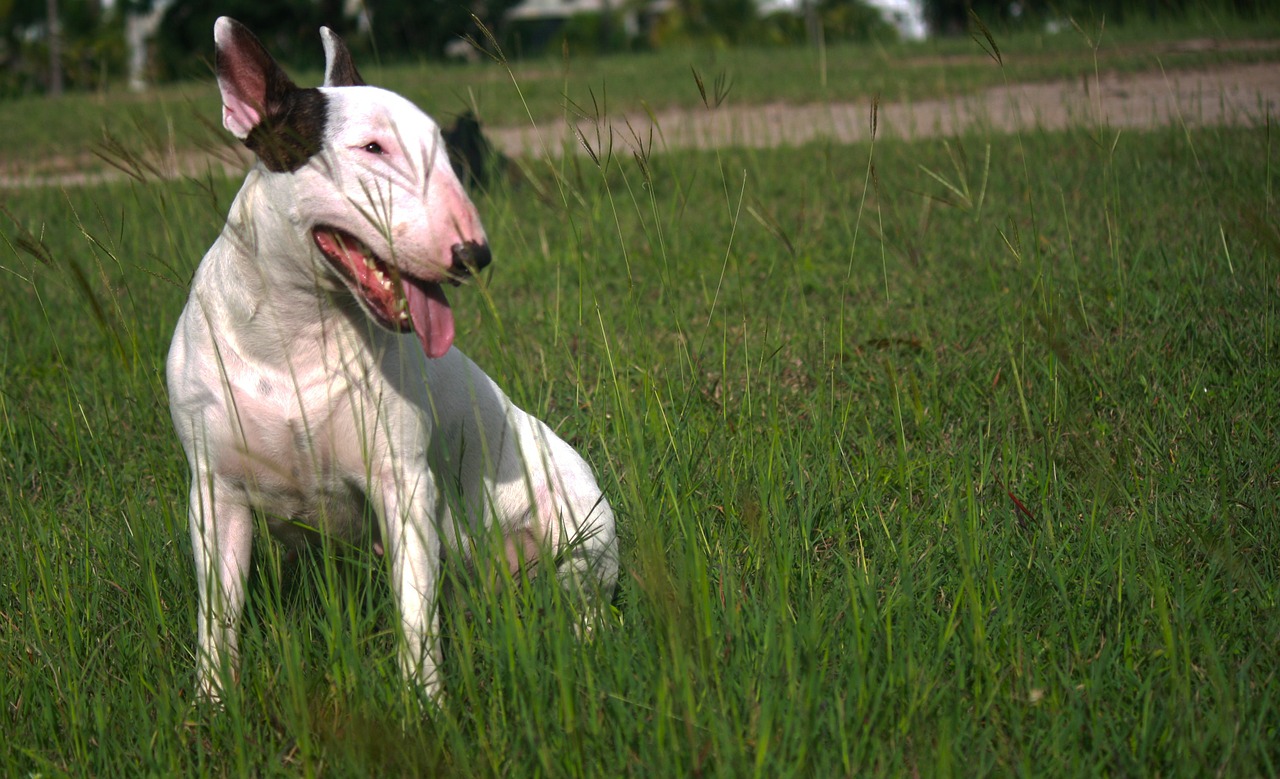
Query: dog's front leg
[(221, 527), (413, 550)]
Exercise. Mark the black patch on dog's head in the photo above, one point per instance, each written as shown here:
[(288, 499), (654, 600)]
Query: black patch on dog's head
[(292, 129)]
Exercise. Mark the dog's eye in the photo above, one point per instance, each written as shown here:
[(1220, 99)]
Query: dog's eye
[(373, 148)]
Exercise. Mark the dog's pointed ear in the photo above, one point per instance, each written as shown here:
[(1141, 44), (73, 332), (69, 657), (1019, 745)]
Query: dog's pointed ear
[(339, 68), (282, 124), (253, 85)]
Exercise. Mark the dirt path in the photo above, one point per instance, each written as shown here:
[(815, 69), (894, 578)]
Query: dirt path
[(1237, 95), (1231, 95)]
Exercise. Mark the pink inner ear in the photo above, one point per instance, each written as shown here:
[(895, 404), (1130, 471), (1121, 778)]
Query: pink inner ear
[(242, 66), (244, 90), (238, 117)]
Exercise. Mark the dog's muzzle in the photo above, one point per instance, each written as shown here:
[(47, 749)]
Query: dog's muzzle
[(469, 257)]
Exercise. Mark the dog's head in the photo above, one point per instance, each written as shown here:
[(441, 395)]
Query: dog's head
[(366, 175)]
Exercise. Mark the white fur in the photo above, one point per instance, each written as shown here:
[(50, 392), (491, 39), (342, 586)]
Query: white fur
[(290, 402)]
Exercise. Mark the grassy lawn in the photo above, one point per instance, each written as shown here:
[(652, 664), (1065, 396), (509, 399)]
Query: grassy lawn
[(44, 135), (950, 457)]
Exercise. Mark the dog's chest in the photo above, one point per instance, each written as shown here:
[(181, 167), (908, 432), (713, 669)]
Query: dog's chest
[(296, 448)]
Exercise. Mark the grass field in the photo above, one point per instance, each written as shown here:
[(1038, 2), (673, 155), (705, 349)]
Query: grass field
[(175, 118), (951, 457)]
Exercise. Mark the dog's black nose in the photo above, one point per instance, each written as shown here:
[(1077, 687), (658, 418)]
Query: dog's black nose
[(470, 257)]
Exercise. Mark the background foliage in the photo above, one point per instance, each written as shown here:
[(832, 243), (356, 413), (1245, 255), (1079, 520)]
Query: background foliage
[(94, 52)]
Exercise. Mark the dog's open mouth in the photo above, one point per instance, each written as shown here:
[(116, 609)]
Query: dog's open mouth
[(396, 300)]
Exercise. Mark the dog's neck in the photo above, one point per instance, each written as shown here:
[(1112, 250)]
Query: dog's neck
[(279, 301)]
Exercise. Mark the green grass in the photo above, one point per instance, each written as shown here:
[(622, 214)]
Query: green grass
[(946, 457), (45, 135)]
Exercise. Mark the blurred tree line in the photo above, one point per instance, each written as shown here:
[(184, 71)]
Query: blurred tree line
[(952, 17), (88, 47), (85, 44)]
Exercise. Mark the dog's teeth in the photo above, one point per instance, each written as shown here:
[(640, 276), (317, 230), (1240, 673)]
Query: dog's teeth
[(386, 282)]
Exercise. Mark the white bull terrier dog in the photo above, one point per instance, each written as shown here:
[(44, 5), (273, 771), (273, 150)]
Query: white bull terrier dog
[(312, 377)]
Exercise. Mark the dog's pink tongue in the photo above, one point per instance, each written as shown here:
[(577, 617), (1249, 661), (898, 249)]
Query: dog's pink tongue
[(431, 315)]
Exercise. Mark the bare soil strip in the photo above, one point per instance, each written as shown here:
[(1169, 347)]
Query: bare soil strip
[(1238, 95)]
